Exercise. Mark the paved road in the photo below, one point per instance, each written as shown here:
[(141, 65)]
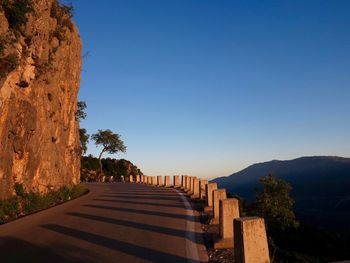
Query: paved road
[(113, 223)]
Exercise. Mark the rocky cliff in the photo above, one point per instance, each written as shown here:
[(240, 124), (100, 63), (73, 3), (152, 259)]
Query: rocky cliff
[(40, 63)]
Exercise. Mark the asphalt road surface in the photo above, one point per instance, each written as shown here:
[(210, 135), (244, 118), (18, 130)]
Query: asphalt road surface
[(118, 222)]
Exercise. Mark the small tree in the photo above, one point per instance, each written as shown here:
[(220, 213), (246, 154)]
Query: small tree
[(81, 114), (84, 139), (110, 142), (275, 204), (84, 136)]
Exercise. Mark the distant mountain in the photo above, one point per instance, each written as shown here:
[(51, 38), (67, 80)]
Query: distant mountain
[(321, 187)]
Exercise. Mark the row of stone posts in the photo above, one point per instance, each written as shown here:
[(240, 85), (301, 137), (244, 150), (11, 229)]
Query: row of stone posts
[(247, 235)]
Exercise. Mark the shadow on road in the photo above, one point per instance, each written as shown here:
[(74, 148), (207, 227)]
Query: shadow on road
[(146, 212), (153, 197), (134, 250), (143, 195), (153, 228), (13, 250), (180, 205)]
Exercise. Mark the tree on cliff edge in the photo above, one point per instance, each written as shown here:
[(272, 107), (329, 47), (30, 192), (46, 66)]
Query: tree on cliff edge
[(110, 142), (84, 136)]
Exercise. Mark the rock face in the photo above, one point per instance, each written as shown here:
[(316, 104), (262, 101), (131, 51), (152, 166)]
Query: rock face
[(40, 64)]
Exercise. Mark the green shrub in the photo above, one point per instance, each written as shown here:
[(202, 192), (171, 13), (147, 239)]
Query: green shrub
[(7, 64), (59, 33), (19, 189), (11, 62), (275, 204), (16, 12), (26, 203), (78, 190), (63, 15), (9, 209), (28, 40), (31, 203), (59, 11)]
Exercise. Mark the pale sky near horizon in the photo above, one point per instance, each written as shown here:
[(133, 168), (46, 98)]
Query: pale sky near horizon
[(209, 87)]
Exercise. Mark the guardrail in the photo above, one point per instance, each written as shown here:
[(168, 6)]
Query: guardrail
[(247, 235)]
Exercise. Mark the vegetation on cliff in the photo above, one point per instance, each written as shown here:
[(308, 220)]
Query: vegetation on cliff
[(24, 203), (16, 12), (111, 167), (83, 135)]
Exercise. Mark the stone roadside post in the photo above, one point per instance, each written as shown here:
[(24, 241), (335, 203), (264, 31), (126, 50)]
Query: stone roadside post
[(167, 181), (202, 184), (183, 182), (195, 194), (188, 183), (190, 191), (160, 180), (209, 188), (228, 211), (219, 194), (176, 181), (250, 241), (154, 180)]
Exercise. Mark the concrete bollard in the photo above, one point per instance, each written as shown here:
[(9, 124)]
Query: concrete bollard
[(195, 188), (228, 211), (209, 188), (250, 241), (192, 185), (137, 179), (190, 189), (219, 194), (111, 179), (183, 181), (154, 180), (185, 184), (188, 183), (167, 181), (149, 180), (202, 184), (176, 181), (143, 179), (160, 180)]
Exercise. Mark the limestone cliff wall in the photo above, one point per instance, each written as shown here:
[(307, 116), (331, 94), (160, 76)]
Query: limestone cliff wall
[(40, 64)]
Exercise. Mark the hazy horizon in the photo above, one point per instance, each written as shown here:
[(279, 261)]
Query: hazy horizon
[(208, 88)]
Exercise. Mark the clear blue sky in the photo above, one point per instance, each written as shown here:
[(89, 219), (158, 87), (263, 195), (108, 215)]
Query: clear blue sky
[(209, 87)]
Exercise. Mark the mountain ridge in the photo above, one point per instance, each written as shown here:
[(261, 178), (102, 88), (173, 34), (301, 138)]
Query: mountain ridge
[(321, 186)]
